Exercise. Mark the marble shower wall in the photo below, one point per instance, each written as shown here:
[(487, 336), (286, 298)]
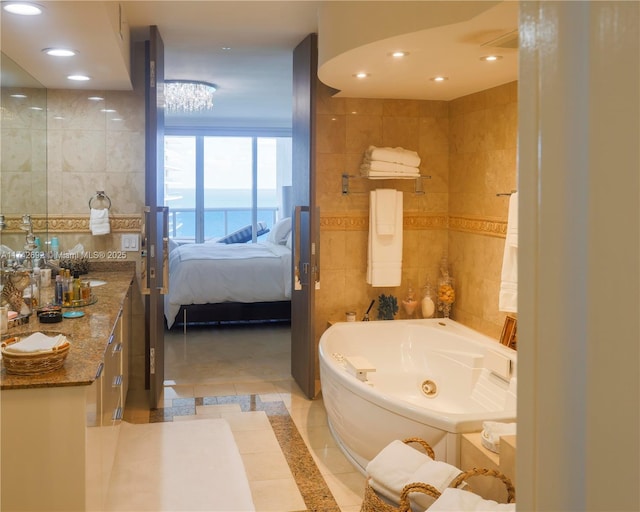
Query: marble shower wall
[(468, 147)]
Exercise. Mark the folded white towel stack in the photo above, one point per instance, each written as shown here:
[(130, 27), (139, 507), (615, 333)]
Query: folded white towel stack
[(399, 464), (390, 163), (99, 221), (457, 500), (37, 342), (492, 431), (508, 300)]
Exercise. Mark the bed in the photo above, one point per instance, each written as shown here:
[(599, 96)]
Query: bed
[(229, 280)]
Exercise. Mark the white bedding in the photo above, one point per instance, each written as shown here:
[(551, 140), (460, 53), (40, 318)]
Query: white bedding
[(212, 273)]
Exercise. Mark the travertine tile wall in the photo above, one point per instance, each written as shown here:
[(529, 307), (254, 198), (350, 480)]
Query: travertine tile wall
[(345, 128), (95, 145), (482, 163), (468, 147)]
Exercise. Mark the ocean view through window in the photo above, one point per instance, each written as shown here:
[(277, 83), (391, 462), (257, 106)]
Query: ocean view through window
[(215, 185)]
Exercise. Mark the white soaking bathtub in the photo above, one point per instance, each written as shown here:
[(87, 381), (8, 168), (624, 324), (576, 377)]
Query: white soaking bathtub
[(434, 378)]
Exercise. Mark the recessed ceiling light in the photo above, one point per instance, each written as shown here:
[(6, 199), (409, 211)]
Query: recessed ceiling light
[(439, 78), (60, 52), (21, 96), (226, 48), (95, 98), (107, 110), (23, 8), (491, 58), (399, 54), (79, 78), (361, 75)]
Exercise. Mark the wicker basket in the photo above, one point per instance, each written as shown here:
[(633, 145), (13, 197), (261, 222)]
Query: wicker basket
[(33, 363), (373, 502)]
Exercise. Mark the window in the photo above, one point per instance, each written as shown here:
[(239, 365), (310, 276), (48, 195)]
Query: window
[(215, 184)]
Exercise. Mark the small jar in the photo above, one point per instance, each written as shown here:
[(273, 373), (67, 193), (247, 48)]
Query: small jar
[(85, 291)]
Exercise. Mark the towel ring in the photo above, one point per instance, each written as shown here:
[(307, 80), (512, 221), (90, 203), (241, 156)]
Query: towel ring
[(100, 196)]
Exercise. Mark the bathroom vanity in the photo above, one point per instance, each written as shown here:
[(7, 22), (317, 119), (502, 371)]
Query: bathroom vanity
[(59, 430)]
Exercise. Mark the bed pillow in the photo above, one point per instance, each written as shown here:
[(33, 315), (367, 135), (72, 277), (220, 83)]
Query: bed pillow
[(289, 243), (172, 244), (243, 234), (279, 231)]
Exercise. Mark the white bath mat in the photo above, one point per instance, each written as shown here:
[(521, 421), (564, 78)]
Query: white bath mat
[(181, 466)]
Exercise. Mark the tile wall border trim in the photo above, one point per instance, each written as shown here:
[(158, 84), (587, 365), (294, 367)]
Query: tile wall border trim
[(73, 223), (479, 225), (486, 226)]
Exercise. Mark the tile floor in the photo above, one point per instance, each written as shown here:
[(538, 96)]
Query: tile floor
[(242, 374)]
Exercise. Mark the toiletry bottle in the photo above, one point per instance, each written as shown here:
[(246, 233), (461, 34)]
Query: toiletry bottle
[(59, 290), (55, 247), (67, 294), (427, 305), (35, 289), (76, 285)]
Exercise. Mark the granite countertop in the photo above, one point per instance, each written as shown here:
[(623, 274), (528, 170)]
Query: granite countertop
[(88, 335)]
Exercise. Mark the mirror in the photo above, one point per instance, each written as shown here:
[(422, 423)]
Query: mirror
[(23, 154)]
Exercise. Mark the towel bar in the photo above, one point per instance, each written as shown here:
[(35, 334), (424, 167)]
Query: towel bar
[(347, 177), (100, 196)]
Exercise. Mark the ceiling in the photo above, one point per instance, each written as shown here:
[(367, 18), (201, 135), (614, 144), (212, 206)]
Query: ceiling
[(253, 76)]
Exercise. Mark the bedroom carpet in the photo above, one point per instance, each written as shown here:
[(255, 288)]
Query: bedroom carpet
[(154, 469)]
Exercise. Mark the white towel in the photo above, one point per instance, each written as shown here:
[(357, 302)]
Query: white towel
[(397, 155), (381, 175), (458, 500), (385, 211), (393, 468), (492, 431), (37, 342), (508, 300), (399, 464), (393, 169), (384, 259), (99, 221)]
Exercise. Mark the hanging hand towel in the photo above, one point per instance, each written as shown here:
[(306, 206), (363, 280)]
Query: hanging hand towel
[(508, 300), (99, 222), (384, 262), (385, 211)]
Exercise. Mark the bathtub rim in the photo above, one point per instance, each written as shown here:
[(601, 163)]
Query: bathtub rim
[(455, 423)]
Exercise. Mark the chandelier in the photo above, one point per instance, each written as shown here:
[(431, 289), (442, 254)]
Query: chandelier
[(185, 96)]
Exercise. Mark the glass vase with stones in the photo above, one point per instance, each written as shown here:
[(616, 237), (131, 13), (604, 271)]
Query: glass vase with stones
[(446, 295)]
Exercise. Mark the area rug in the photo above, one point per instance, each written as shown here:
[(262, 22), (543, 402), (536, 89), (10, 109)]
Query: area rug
[(178, 466)]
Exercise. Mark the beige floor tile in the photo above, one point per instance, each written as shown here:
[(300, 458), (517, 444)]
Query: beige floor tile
[(220, 389), (177, 391), (347, 488), (266, 466), (256, 441), (255, 388), (217, 409), (254, 420), (331, 461), (276, 495)]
